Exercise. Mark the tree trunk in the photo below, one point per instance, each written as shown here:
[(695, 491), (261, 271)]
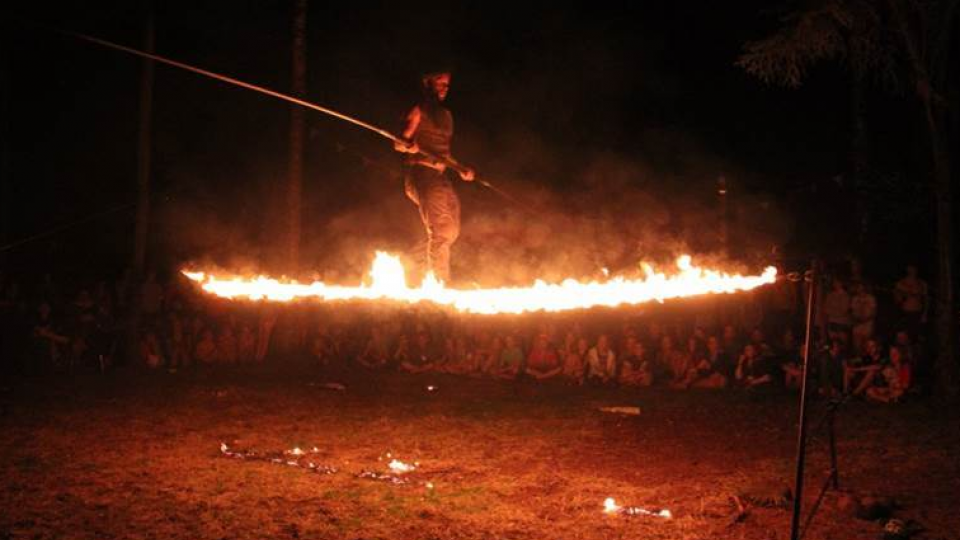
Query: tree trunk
[(946, 365), (295, 179), (6, 178), (859, 150), (141, 227)]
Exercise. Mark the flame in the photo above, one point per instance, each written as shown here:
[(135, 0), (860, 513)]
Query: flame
[(388, 282), (610, 506), (400, 467), (195, 276)]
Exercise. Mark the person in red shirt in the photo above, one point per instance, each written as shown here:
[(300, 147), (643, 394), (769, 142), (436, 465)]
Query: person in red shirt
[(543, 362), (895, 380)]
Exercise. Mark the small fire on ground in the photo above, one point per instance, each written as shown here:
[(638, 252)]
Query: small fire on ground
[(610, 506), (388, 282)]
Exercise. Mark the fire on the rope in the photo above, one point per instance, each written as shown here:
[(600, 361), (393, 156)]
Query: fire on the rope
[(388, 282)]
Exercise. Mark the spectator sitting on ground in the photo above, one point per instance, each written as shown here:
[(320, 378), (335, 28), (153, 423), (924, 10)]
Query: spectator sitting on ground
[(489, 350), (830, 365), (574, 360), (151, 355), (911, 353), (788, 347), (205, 351), (268, 320), (246, 344), (321, 348), (719, 358), (542, 362), (674, 363), (683, 368), (376, 352), (635, 367), (454, 360), (510, 359), (569, 343), (731, 340), (759, 341), (480, 348), (601, 362), (464, 359), (912, 297), (894, 380), (705, 373), (424, 355), (176, 341), (49, 340), (793, 370), (227, 346), (402, 352), (859, 371), (753, 371)]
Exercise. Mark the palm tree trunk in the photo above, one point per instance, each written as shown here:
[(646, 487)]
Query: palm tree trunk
[(144, 155), (859, 150), (6, 177), (946, 365), (295, 179)]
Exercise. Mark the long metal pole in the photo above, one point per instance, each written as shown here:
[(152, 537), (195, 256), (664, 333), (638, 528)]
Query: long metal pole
[(802, 429), (226, 79), (453, 164)]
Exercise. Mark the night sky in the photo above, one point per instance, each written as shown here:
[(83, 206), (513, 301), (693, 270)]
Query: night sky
[(543, 96)]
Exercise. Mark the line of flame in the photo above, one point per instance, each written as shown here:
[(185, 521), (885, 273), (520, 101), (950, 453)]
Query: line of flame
[(389, 283)]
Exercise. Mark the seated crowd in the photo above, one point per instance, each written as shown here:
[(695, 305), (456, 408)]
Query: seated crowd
[(750, 341)]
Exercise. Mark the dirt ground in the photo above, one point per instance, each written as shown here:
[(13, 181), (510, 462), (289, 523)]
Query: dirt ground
[(137, 455)]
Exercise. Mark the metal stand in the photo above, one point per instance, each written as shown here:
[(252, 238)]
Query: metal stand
[(828, 421)]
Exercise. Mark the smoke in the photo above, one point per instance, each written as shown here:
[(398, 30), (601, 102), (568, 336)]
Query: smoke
[(584, 217), (607, 213), (591, 193)]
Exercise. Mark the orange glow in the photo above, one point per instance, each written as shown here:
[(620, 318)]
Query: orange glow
[(388, 282)]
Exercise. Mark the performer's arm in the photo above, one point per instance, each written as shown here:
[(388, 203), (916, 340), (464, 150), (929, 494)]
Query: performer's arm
[(412, 123), (466, 173)]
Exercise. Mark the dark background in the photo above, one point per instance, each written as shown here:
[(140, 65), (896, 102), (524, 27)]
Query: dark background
[(613, 122)]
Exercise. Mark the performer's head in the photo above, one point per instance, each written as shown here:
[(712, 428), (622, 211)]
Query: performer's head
[(436, 84)]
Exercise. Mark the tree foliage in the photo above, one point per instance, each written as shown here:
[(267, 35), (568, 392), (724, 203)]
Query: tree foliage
[(905, 43), (852, 31)]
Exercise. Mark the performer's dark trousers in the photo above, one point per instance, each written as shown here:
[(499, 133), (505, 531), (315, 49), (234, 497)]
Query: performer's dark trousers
[(439, 208)]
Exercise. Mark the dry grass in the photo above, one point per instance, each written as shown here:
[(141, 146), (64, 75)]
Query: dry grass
[(137, 456)]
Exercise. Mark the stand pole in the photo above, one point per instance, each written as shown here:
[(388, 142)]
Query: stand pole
[(834, 470), (802, 429)]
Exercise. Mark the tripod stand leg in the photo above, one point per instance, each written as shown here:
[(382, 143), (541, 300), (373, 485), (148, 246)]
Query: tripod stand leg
[(834, 471)]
